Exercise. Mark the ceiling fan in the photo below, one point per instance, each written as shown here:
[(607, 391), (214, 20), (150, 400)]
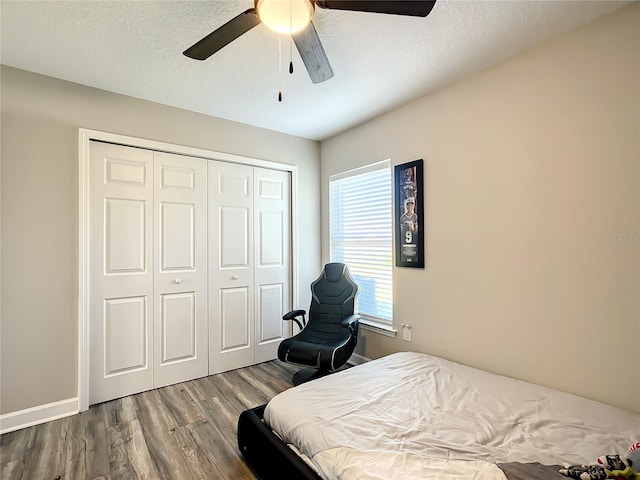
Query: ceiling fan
[(293, 17)]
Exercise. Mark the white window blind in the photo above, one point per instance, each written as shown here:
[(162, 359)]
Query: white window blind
[(361, 235)]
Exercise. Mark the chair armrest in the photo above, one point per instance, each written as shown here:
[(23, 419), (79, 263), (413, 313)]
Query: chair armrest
[(292, 316), (351, 322)]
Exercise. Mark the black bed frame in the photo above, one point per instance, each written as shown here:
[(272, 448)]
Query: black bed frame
[(268, 456)]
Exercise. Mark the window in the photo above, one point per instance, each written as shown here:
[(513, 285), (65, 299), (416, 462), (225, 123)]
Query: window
[(361, 234)]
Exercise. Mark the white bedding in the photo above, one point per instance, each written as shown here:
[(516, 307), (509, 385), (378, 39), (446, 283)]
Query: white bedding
[(416, 416)]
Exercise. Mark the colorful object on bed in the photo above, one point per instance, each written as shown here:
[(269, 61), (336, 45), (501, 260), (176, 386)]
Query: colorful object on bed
[(415, 416), (618, 468), (608, 467)]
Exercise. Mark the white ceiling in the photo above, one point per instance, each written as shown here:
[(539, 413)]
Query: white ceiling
[(380, 61)]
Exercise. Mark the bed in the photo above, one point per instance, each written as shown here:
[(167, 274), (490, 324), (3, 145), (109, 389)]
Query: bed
[(414, 416)]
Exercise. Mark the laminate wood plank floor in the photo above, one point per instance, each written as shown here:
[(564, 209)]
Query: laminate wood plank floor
[(185, 431)]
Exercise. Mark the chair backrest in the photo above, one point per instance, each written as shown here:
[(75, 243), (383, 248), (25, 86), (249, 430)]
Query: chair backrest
[(333, 298)]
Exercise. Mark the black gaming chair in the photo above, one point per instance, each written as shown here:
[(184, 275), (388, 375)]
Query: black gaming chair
[(328, 339)]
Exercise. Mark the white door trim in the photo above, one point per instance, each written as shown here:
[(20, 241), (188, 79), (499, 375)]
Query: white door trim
[(84, 138)]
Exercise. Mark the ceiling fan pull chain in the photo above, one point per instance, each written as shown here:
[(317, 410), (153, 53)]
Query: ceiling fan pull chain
[(279, 68), (291, 37), (290, 57)]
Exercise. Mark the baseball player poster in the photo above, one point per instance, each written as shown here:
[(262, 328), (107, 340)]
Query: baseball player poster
[(409, 215)]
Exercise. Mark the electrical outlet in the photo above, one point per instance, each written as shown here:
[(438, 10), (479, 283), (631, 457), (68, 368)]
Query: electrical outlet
[(406, 332)]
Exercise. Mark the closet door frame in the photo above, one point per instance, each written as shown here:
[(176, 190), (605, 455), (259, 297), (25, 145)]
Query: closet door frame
[(85, 136)]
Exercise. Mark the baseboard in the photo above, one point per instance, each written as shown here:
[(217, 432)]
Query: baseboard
[(357, 359), (39, 414)]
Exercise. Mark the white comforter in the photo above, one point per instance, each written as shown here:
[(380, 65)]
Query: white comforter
[(415, 416)]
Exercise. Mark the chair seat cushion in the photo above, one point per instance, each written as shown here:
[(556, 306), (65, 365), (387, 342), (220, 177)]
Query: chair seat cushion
[(309, 351), (303, 353)]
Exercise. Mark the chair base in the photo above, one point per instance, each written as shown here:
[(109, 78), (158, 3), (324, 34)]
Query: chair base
[(307, 374)]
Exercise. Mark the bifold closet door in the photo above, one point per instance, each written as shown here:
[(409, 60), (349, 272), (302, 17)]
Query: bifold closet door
[(231, 277), (148, 270), (249, 264), (189, 267), (180, 350), (121, 271), (272, 220)]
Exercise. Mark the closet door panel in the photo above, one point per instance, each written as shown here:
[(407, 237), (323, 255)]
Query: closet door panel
[(178, 327), (231, 276), (125, 328), (234, 238), (124, 236), (269, 301), (120, 271), (236, 328), (180, 320), (177, 237), (273, 264)]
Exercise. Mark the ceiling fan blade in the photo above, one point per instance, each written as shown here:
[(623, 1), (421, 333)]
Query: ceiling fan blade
[(224, 35), (313, 54), (415, 8)]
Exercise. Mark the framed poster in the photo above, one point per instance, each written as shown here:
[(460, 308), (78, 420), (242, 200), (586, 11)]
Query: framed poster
[(409, 214)]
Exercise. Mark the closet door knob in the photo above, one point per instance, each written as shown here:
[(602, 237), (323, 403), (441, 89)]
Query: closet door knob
[(177, 281), (234, 277)]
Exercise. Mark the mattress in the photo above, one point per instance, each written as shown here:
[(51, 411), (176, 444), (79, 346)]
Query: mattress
[(416, 416)]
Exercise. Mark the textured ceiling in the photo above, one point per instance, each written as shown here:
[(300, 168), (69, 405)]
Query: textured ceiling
[(380, 61)]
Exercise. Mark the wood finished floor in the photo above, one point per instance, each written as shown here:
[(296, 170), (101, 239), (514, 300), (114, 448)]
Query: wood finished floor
[(181, 432)]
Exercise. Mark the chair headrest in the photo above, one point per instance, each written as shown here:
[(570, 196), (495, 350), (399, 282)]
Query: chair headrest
[(333, 272)]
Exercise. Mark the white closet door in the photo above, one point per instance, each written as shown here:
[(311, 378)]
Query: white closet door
[(272, 260), (231, 277), (180, 314), (121, 270)]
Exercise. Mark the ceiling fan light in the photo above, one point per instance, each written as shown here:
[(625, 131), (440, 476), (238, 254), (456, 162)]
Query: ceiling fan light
[(285, 16)]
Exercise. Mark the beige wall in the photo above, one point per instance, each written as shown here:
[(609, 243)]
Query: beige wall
[(532, 201), (39, 279)]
